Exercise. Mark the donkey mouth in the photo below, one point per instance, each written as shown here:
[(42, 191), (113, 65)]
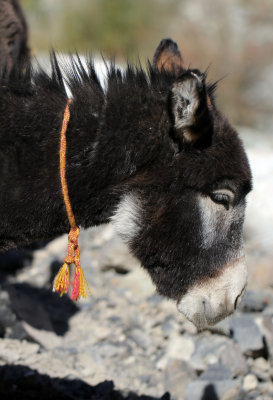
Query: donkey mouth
[(209, 302)]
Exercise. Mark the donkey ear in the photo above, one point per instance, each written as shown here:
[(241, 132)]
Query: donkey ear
[(167, 57), (190, 107)]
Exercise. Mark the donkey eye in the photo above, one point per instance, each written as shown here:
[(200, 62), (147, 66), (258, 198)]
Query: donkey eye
[(224, 197)]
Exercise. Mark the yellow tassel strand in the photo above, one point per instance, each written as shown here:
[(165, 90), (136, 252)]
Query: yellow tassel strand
[(61, 281)]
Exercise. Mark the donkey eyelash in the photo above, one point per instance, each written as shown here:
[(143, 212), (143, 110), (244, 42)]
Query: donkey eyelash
[(223, 196)]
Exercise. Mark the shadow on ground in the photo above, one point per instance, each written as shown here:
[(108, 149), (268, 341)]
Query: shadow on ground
[(20, 382), (15, 259), (41, 308), (209, 393)]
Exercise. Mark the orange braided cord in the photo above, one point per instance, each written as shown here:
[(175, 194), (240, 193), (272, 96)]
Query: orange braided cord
[(63, 165), (61, 281)]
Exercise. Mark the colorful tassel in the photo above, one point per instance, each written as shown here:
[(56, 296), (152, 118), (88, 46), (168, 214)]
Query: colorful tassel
[(61, 281)]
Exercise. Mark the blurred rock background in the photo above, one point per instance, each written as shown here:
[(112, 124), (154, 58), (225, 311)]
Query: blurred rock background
[(125, 342)]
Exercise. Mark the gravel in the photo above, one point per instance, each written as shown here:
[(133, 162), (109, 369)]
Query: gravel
[(125, 341)]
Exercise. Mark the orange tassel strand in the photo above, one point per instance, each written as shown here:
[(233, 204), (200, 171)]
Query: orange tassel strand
[(61, 281), (79, 284)]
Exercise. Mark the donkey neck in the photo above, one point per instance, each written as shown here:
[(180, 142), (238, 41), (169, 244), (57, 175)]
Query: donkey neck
[(109, 147), (112, 137)]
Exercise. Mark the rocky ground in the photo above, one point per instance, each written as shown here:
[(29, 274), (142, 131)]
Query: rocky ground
[(125, 341)]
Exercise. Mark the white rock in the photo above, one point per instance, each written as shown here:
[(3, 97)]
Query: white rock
[(180, 347), (250, 382), (12, 350), (139, 283), (47, 339)]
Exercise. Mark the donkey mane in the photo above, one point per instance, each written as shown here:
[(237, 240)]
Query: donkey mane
[(25, 80)]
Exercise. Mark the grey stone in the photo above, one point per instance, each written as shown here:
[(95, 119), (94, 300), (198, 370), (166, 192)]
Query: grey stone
[(207, 351), (209, 390), (7, 317), (177, 375), (216, 372), (168, 327), (248, 335), (108, 350), (255, 301), (267, 328), (232, 357), (266, 388), (141, 338), (222, 328)]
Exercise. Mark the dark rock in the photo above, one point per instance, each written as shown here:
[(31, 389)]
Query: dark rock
[(248, 335)]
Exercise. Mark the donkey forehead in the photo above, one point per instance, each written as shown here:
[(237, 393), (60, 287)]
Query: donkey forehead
[(224, 160)]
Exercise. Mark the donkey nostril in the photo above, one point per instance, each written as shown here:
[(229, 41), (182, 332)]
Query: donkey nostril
[(238, 300)]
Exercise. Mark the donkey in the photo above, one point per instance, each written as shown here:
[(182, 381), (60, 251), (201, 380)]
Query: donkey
[(13, 34), (150, 152)]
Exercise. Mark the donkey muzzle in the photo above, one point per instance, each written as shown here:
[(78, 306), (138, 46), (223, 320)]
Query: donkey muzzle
[(213, 300)]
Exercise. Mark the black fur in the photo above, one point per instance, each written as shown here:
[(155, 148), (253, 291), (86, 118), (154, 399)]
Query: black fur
[(119, 141), (13, 34)]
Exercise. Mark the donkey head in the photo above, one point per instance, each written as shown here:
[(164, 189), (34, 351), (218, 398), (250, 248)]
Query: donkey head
[(185, 216)]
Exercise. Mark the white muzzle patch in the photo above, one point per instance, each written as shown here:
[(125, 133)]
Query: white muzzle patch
[(213, 300)]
